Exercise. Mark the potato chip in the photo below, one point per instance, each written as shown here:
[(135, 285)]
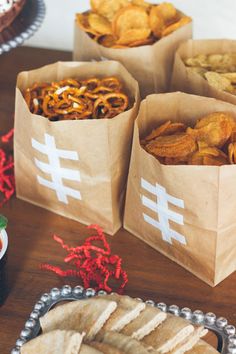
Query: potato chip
[(142, 3), (157, 132), (129, 18), (133, 36), (219, 82), (108, 8), (83, 22), (209, 156), (232, 153), (99, 24), (107, 40), (148, 41), (156, 22), (214, 161), (175, 26), (167, 11), (179, 145)]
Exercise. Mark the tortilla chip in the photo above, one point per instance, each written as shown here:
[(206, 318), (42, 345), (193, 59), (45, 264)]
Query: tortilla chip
[(54, 342), (86, 316)]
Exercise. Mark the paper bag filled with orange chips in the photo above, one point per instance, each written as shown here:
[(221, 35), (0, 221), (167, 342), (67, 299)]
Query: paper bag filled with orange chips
[(73, 132), (142, 36), (206, 68), (181, 194)]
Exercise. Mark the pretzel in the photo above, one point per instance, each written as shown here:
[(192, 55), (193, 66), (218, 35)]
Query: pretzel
[(73, 99)]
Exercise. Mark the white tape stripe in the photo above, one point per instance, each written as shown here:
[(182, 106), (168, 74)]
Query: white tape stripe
[(61, 191), (71, 175), (172, 215), (167, 236), (148, 186), (50, 142)]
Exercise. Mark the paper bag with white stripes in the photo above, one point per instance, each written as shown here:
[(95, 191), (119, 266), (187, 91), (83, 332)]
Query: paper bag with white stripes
[(75, 168), (185, 212)]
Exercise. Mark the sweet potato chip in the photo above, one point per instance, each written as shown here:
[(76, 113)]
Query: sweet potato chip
[(209, 156), (99, 24), (133, 36), (175, 26), (158, 131), (179, 145), (214, 129), (130, 18)]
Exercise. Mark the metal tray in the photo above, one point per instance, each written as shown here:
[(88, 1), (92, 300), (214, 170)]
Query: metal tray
[(225, 333), (24, 26)]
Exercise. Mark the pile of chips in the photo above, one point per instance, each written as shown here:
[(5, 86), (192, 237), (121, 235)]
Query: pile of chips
[(211, 142), (73, 99), (130, 23), (94, 264), (218, 69), (7, 180)]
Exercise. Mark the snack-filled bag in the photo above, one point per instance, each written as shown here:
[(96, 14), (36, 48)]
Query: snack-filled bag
[(140, 35), (206, 68), (181, 194), (73, 132)]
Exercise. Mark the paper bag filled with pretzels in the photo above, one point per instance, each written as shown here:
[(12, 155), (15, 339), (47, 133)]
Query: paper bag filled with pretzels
[(73, 131), (140, 35), (206, 68), (181, 193)]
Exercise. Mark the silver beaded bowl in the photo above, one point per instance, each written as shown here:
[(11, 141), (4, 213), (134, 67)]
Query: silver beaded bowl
[(224, 331), (24, 26)]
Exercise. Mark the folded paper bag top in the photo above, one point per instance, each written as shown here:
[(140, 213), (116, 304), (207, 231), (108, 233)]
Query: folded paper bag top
[(150, 65), (185, 212), (75, 168), (191, 82)]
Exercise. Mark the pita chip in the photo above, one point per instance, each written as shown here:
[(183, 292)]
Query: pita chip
[(55, 342), (123, 343), (87, 349), (173, 331), (202, 348), (106, 348), (127, 310), (145, 323), (190, 341), (86, 316)]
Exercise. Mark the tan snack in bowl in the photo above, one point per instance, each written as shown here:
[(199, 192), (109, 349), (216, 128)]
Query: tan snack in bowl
[(124, 23)]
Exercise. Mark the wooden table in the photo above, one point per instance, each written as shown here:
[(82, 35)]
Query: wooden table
[(151, 275)]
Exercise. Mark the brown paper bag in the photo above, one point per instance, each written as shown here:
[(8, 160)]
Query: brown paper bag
[(185, 212), (77, 169), (185, 81), (150, 65)]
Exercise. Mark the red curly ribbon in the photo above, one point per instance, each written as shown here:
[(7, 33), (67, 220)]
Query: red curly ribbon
[(95, 265), (7, 180)]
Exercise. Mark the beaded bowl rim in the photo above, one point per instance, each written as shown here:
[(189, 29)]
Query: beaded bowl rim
[(28, 32), (226, 333)]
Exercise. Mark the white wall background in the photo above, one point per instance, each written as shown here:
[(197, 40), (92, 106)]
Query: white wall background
[(212, 19)]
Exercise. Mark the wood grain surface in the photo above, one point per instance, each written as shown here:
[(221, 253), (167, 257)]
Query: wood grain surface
[(30, 230)]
